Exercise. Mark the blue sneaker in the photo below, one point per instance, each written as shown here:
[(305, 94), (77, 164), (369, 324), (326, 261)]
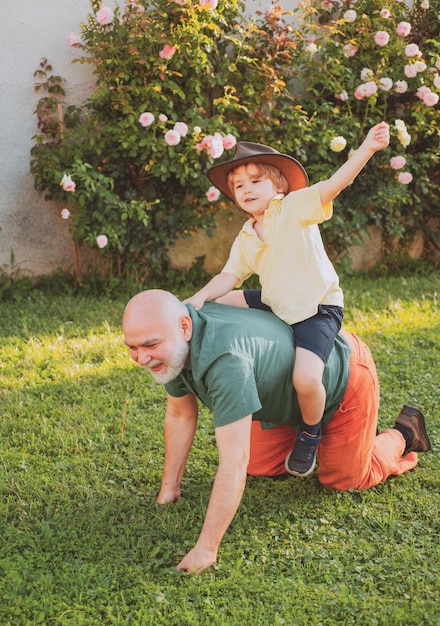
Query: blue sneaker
[(302, 460)]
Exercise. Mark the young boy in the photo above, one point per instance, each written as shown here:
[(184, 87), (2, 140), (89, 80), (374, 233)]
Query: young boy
[(281, 243)]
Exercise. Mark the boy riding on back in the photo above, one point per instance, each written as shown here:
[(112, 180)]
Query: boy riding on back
[(281, 243)]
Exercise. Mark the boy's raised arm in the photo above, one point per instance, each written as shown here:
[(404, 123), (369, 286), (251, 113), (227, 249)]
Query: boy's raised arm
[(377, 139)]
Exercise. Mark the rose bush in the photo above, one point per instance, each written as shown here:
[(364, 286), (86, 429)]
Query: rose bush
[(179, 82), (374, 60), (176, 84)]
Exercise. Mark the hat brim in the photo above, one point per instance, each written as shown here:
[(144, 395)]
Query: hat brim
[(292, 169)]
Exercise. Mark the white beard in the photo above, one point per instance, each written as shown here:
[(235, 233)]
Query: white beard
[(174, 365)]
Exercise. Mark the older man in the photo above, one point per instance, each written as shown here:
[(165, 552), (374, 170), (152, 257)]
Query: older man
[(239, 363)]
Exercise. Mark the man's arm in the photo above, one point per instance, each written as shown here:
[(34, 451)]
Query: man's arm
[(378, 138), (233, 442), (179, 428)]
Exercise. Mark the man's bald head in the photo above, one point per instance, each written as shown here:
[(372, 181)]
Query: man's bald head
[(157, 330), (154, 302)]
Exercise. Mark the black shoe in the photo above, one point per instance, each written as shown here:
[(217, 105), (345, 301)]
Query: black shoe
[(412, 419), (302, 460)]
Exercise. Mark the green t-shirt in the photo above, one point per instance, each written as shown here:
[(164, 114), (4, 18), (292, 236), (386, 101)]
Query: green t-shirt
[(242, 364)]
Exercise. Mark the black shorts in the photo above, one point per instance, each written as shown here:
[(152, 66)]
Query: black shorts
[(316, 333)]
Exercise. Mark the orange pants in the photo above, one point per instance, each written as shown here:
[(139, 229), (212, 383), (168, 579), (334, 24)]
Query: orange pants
[(350, 454)]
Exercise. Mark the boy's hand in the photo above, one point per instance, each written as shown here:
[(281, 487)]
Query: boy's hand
[(196, 300), (378, 137)]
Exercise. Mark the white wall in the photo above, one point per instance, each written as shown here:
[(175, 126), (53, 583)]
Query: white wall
[(32, 29)]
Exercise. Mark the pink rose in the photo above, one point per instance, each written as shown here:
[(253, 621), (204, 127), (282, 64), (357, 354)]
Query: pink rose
[(163, 117), (437, 82), (381, 38), (422, 91), (342, 96), (67, 183), (229, 142), (167, 52), (403, 29), (213, 194), (366, 90), (431, 99), (74, 40), (102, 241), (208, 5), (385, 13), (104, 16), (405, 178), (146, 119), (412, 50), (420, 66), (172, 137), (350, 15), (400, 86), (397, 162), (312, 48), (385, 84), (370, 88), (181, 128), (410, 71), (216, 148), (65, 214), (350, 50), (366, 74), (213, 144)]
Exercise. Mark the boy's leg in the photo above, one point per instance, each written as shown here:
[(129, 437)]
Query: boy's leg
[(314, 340), (307, 380), (247, 298), (234, 298)]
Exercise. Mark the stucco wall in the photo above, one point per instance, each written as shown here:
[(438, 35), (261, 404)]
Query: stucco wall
[(30, 228)]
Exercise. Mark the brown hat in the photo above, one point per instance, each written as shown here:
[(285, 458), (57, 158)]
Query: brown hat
[(247, 152)]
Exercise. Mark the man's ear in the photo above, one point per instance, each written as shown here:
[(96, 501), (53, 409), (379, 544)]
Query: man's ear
[(185, 323)]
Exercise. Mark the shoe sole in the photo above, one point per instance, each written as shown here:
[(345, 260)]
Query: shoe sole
[(297, 474)]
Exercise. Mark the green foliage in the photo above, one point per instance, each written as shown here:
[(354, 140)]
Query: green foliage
[(330, 82), (276, 79), (81, 449)]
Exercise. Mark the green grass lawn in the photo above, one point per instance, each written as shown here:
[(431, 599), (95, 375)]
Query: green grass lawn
[(83, 542)]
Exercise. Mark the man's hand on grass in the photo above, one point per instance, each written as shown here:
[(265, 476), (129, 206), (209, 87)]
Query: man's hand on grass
[(197, 560), (168, 496)]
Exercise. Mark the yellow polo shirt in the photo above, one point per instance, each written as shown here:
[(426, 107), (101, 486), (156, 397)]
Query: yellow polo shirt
[(295, 272)]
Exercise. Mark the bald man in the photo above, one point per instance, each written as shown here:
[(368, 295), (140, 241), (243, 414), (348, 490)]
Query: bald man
[(239, 363)]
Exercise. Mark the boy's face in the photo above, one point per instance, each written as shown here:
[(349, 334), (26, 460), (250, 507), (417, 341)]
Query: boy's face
[(252, 191)]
